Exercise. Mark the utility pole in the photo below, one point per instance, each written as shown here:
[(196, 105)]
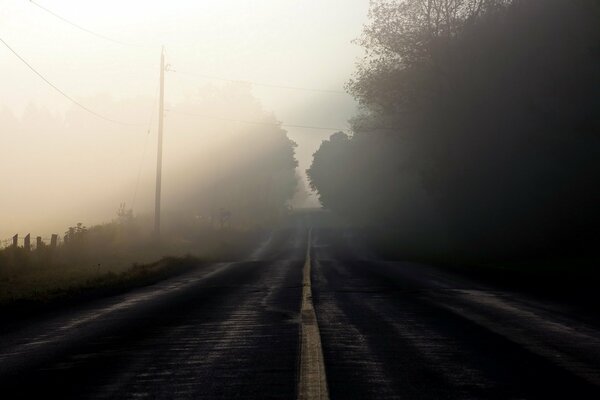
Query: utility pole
[(161, 112)]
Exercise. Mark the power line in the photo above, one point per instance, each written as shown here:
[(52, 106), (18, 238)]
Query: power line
[(98, 35), (323, 128), (63, 93), (330, 91), (288, 87)]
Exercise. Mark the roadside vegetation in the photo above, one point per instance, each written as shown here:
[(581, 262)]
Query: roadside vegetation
[(112, 257), (239, 182), (478, 139)]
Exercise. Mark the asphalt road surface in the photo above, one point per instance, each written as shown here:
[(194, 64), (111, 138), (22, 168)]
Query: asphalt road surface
[(243, 330)]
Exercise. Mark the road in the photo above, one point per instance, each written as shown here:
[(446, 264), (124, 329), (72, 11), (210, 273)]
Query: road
[(384, 330)]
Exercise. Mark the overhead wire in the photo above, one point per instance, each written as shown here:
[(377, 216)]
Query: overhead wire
[(98, 35), (287, 87), (271, 85), (153, 111), (137, 124), (103, 117), (323, 128), (101, 36), (56, 88), (250, 122)]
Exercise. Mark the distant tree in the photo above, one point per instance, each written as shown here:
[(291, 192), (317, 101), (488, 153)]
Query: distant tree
[(328, 168), (247, 168)]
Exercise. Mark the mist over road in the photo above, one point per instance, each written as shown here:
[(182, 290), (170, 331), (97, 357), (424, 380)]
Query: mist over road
[(233, 330)]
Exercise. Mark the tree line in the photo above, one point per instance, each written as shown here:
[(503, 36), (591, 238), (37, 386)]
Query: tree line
[(478, 126)]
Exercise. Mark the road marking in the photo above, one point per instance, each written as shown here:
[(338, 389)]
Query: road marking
[(313, 381)]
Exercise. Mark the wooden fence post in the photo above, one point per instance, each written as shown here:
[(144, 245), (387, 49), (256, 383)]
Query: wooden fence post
[(53, 240), (27, 242), (16, 240)]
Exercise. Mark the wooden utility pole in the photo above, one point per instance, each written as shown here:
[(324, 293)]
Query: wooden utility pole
[(161, 111)]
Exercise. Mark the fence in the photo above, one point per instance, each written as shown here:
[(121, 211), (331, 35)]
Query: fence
[(53, 241)]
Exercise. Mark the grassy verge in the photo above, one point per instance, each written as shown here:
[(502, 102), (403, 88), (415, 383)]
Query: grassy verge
[(28, 298), (45, 278)]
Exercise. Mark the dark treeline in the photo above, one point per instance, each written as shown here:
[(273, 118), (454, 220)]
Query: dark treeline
[(479, 126)]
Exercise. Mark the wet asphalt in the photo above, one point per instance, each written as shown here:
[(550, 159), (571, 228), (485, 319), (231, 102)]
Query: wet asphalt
[(389, 330)]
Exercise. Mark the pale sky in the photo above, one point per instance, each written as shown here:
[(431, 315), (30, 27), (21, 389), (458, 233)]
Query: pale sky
[(303, 43)]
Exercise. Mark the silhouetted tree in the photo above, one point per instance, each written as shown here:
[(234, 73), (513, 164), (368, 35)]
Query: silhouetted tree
[(492, 104)]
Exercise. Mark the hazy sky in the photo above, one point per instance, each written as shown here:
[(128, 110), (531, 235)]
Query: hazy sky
[(283, 42)]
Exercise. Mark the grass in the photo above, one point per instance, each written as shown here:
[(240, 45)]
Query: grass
[(29, 298), (104, 259), (41, 286)]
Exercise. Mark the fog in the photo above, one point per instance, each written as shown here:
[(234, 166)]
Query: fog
[(478, 132), (62, 165)]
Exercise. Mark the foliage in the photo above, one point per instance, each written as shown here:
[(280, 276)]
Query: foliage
[(244, 169), (75, 233), (110, 255), (490, 106)]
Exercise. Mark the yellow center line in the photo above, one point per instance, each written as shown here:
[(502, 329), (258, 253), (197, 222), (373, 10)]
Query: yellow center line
[(313, 380)]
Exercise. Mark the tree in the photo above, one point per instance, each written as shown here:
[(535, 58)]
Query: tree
[(244, 163), (493, 105), (404, 40)]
